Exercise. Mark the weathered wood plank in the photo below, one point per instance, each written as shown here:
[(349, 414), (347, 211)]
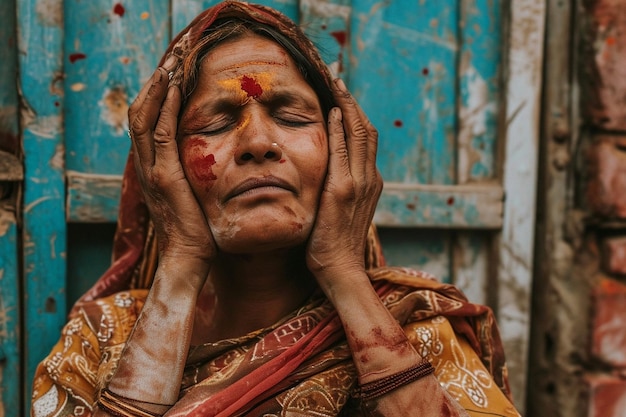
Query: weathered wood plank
[(422, 249), (11, 171), (452, 206), (10, 351), (110, 50), (516, 242), (327, 23), (11, 168), (403, 71), (183, 11), (92, 198), (43, 233), (479, 89)]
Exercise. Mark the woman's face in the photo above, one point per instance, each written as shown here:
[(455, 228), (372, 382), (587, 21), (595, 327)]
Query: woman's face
[(253, 144)]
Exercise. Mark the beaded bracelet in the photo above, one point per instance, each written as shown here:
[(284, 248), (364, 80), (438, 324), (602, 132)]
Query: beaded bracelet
[(122, 407), (389, 383)]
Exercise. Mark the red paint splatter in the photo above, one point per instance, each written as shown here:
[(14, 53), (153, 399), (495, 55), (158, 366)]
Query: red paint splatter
[(450, 201), (340, 37), (119, 10), (199, 163), (411, 206), (76, 57), (398, 123), (425, 71), (251, 87)]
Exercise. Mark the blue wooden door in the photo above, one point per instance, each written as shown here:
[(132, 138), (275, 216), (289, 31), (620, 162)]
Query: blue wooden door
[(428, 73)]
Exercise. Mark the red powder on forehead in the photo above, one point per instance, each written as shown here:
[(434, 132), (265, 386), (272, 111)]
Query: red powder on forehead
[(251, 87)]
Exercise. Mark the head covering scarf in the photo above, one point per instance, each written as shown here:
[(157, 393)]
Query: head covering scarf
[(412, 296), (134, 247)]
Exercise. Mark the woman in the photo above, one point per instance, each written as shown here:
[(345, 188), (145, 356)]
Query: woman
[(269, 297)]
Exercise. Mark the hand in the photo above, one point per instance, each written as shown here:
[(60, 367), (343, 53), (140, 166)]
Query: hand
[(351, 191), (181, 226)]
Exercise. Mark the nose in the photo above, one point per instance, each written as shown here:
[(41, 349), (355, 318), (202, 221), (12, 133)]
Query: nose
[(255, 142)]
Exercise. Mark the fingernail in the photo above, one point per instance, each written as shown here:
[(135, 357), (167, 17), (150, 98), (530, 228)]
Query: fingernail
[(336, 113), (170, 62), (340, 84)]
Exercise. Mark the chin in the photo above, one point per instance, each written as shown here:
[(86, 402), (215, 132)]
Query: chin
[(261, 238)]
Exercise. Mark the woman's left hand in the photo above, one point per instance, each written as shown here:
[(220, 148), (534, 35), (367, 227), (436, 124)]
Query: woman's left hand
[(351, 191)]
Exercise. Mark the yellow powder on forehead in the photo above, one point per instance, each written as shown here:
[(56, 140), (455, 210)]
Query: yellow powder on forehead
[(249, 85), (244, 122)]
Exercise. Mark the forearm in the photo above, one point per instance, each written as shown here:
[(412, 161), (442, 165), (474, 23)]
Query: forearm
[(152, 363), (380, 348)]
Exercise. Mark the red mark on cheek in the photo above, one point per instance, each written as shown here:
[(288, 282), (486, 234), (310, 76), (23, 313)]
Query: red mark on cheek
[(340, 37), (398, 123), (251, 87), (199, 164), (77, 56), (119, 10)]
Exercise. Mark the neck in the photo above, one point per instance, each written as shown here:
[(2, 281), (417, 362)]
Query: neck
[(255, 291)]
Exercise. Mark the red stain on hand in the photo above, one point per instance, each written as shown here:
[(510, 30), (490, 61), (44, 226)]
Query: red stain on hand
[(340, 37), (119, 10), (77, 56), (251, 87)]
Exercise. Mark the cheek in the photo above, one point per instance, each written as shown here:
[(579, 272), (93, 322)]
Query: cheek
[(198, 163)]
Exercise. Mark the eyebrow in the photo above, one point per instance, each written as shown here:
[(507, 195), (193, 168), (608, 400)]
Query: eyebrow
[(278, 98), (273, 98)]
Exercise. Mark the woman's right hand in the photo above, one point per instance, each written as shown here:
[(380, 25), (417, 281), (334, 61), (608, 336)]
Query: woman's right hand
[(181, 227)]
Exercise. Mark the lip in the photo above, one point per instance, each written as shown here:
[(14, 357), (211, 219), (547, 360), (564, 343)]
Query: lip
[(259, 182)]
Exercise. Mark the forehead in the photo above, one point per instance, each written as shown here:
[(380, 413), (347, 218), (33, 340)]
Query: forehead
[(250, 52)]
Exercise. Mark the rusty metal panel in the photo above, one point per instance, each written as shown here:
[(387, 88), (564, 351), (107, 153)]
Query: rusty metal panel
[(40, 48)]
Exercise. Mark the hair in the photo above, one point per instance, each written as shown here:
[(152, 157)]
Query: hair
[(231, 28)]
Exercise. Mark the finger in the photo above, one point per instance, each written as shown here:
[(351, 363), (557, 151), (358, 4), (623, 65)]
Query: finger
[(165, 146), (356, 133), (143, 118), (170, 64), (372, 134), (338, 161)]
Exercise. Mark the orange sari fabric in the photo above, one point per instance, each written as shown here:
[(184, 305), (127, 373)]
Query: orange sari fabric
[(299, 366)]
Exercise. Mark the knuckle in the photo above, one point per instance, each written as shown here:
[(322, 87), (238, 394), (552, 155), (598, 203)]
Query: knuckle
[(358, 129), (162, 132)]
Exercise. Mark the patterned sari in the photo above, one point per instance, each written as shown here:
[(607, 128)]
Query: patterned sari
[(301, 365)]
